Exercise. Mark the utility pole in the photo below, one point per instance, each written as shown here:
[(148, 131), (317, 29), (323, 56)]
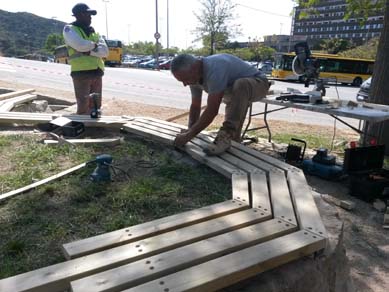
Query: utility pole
[(54, 18), (156, 36), (128, 36), (106, 17), (167, 25)]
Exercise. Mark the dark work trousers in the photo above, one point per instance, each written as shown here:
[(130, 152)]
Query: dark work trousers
[(83, 86)]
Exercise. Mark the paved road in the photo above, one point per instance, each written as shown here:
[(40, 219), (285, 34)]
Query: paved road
[(150, 87)]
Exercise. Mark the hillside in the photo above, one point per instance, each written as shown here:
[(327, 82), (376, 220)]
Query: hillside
[(23, 33)]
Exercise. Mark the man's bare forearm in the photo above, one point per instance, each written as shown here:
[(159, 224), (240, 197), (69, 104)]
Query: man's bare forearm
[(194, 115), (203, 122)]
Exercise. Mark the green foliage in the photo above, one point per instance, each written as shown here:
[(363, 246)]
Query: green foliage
[(334, 46), (364, 8), (25, 33), (355, 8), (366, 51), (214, 23), (73, 207), (53, 40), (140, 48)]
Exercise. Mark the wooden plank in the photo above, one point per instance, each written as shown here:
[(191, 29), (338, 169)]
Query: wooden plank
[(230, 269), (181, 115), (139, 272), (196, 152), (58, 277), (214, 162), (258, 163), (260, 191), (134, 233), (35, 118), (240, 187), (9, 104), (266, 158), (109, 142), (167, 129), (239, 163), (308, 215), (41, 182), (280, 197), (150, 134), (15, 93), (162, 123)]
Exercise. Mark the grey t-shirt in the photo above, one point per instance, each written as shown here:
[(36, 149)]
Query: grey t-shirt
[(220, 72)]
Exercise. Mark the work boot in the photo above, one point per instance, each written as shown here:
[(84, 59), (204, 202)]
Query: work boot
[(221, 143)]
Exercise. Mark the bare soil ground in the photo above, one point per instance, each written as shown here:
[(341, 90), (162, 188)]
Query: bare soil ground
[(366, 241)]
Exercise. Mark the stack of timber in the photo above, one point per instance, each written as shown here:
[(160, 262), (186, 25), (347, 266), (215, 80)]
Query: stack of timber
[(9, 100), (39, 118), (271, 220)]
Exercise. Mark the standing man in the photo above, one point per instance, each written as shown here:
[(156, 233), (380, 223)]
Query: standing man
[(225, 78), (86, 50)]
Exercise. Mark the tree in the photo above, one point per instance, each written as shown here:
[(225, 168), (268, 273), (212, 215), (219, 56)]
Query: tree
[(379, 92), (53, 40), (214, 20), (334, 46), (366, 51), (141, 48)]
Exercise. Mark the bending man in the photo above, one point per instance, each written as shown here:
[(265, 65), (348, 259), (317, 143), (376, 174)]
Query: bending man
[(225, 78), (86, 50)]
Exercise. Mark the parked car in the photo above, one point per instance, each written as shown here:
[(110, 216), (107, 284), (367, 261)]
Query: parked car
[(165, 65), (364, 90), (266, 68)]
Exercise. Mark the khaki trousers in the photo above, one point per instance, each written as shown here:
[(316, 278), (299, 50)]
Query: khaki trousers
[(244, 91), (83, 86)]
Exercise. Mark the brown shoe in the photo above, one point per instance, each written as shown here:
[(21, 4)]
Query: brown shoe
[(221, 143)]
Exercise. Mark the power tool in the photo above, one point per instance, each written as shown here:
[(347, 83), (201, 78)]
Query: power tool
[(323, 165), (305, 65), (102, 171), (95, 111)]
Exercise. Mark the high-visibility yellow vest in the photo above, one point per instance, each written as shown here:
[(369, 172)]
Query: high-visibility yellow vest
[(81, 62)]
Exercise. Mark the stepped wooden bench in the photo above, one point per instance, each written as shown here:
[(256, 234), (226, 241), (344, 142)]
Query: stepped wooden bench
[(271, 219)]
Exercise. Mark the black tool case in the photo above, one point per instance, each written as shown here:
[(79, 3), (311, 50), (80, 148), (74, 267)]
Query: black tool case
[(367, 178)]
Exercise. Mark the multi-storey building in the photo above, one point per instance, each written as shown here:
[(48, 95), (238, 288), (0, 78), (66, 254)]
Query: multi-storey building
[(328, 22)]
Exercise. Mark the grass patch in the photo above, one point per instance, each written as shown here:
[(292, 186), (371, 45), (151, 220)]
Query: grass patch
[(158, 182)]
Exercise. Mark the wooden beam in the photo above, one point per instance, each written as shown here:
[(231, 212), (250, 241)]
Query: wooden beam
[(15, 93), (41, 182), (134, 233), (307, 213), (150, 134), (167, 136), (139, 272), (259, 191), (240, 187), (9, 104), (58, 277), (280, 197), (108, 142), (181, 115), (230, 269), (216, 163)]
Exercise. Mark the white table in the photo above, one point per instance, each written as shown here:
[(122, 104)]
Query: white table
[(367, 112)]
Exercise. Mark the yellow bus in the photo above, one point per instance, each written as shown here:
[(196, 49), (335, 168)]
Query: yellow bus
[(114, 57), (343, 70), (115, 48)]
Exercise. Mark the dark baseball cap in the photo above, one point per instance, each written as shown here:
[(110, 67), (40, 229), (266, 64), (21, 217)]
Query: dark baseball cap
[(82, 8)]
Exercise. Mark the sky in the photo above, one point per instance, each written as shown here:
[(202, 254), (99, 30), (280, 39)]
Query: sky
[(135, 20)]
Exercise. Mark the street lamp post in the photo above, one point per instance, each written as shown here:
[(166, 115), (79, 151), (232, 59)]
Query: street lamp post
[(156, 36), (106, 17), (54, 18), (167, 25)]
